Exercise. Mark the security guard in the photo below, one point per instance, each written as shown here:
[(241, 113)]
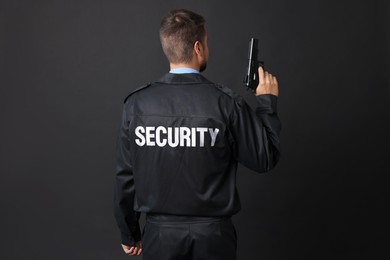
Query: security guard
[(177, 152)]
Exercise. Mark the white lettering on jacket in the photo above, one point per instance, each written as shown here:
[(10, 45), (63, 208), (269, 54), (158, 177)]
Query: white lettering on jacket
[(174, 136)]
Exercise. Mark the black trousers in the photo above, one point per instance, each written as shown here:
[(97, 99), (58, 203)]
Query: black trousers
[(169, 237)]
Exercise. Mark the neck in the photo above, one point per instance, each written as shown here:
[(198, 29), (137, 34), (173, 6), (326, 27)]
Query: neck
[(184, 65)]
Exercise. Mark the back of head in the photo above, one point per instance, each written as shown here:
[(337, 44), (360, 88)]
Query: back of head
[(179, 30)]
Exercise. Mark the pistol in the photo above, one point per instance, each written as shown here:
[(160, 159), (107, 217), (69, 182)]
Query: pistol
[(251, 80)]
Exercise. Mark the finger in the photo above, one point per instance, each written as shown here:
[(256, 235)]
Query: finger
[(138, 251), (127, 252), (126, 248), (275, 81), (266, 78), (272, 79), (261, 75), (139, 248)]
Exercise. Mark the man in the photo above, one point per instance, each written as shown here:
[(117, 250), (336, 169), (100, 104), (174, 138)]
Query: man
[(178, 148)]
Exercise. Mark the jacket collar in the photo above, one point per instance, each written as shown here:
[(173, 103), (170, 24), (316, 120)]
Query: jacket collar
[(187, 78)]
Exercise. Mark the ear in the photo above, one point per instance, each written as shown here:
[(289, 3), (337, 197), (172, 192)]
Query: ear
[(198, 48)]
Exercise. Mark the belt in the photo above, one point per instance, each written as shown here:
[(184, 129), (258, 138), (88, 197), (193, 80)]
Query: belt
[(166, 218)]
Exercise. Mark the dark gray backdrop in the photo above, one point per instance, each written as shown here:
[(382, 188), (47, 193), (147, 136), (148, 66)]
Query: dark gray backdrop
[(66, 67)]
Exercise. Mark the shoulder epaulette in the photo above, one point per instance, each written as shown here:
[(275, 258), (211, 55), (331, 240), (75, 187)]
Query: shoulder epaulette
[(136, 90), (230, 93)]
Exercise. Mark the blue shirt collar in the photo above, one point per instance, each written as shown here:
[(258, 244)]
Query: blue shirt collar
[(183, 71)]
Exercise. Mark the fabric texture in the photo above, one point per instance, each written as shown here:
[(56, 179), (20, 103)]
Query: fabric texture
[(168, 238), (179, 144)]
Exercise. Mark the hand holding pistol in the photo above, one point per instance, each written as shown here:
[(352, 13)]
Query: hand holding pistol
[(257, 79)]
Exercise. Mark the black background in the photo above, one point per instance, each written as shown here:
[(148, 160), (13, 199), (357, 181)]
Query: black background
[(66, 67)]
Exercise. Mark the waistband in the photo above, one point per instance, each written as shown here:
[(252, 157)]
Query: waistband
[(166, 218)]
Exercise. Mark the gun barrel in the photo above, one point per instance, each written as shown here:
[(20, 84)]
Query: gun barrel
[(251, 79), (253, 43)]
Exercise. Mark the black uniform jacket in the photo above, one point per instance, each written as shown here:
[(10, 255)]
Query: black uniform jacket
[(178, 147)]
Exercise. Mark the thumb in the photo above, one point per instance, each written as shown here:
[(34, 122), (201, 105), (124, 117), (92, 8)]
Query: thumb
[(126, 248)]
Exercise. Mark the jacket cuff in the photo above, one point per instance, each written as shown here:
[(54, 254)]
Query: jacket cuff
[(128, 240), (266, 103)]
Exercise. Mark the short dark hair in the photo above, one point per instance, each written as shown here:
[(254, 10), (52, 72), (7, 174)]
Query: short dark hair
[(179, 30)]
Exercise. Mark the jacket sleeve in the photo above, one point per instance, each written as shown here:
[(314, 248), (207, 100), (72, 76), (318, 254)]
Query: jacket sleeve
[(124, 190), (256, 133)]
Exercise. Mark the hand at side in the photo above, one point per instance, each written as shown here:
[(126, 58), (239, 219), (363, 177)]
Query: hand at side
[(133, 250)]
